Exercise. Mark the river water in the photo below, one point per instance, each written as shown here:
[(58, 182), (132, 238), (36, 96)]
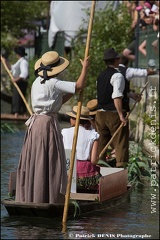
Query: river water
[(136, 218)]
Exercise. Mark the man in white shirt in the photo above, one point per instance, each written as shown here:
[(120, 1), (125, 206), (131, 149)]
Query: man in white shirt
[(130, 72), (112, 108)]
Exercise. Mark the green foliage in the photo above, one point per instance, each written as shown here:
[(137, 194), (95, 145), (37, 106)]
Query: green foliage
[(138, 166), (136, 170), (148, 119), (133, 124), (77, 209), (110, 29), (31, 77), (31, 70), (18, 15), (7, 42), (154, 123), (8, 127), (103, 163)]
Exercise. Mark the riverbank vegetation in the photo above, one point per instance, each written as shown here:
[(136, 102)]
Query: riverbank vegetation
[(110, 29)]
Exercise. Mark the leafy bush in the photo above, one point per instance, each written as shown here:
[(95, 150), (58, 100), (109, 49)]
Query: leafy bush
[(138, 166), (31, 71), (110, 29), (26, 12)]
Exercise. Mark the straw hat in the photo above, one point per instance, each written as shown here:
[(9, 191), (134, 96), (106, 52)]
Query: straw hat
[(50, 64), (92, 106), (84, 113)]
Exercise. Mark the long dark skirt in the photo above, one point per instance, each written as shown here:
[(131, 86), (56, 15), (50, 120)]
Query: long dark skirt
[(18, 105), (42, 173)]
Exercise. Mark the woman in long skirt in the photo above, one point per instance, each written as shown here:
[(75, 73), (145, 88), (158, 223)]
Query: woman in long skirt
[(42, 173)]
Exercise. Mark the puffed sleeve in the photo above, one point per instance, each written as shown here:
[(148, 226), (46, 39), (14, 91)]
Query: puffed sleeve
[(94, 135), (65, 86)]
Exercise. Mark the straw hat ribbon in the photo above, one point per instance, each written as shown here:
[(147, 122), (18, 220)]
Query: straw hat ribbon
[(50, 64)]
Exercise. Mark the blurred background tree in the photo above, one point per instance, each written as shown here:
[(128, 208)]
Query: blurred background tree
[(19, 15), (110, 29)]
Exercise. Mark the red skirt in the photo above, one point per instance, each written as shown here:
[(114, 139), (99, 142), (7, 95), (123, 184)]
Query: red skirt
[(87, 175)]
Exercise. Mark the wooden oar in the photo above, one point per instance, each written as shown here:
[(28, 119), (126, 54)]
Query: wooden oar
[(121, 125), (15, 84), (65, 213)]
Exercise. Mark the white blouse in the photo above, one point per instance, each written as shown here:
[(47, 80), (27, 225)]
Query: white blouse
[(85, 141), (20, 68), (47, 97)]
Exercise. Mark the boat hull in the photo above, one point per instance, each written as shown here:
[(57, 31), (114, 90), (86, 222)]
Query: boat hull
[(46, 210), (113, 189)]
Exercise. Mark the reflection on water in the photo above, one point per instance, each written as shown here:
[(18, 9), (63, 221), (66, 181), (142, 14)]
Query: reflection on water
[(132, 217)]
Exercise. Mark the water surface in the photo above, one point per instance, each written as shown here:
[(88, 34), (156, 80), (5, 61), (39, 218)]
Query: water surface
[(137, 217)]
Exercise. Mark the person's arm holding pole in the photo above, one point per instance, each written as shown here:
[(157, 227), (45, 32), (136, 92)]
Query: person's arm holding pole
[(15, 84), (65, 213), (122, 124)]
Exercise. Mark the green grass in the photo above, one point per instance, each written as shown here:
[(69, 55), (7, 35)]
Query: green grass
[(8, 127)]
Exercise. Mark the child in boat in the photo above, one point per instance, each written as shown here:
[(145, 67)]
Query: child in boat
[(88, 173)]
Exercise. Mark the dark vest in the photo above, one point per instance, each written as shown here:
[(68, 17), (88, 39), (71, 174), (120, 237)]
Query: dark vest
[(105, 90), (127, 87)]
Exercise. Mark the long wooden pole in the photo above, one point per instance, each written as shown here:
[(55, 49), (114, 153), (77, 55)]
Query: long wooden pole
[(121, 125), (65, 212), (15, 84)]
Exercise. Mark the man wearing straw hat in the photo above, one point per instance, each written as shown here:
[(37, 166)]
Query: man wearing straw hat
[(111, 110), (42, 173)]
